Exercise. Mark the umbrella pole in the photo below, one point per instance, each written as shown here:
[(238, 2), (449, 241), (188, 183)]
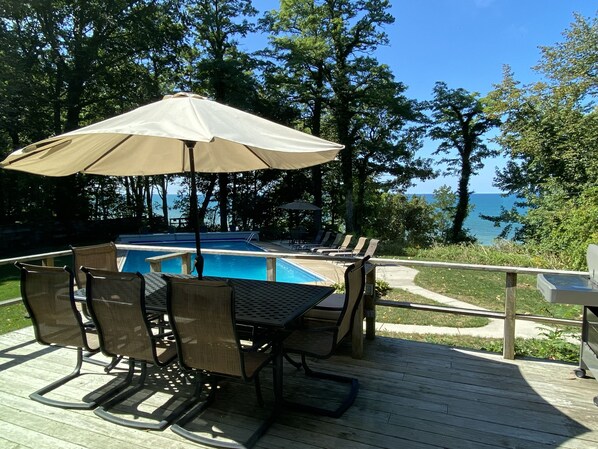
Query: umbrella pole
[(194, 214)]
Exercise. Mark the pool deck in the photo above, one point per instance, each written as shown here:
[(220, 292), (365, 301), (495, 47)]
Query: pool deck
[(333, 272)]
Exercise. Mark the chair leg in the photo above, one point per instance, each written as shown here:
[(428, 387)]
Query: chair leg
[(82, 405), (103, 412), (288, 358), (179, 426), (39, 394), (342, 408)]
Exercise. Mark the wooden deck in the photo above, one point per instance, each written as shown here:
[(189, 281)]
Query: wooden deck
[(413, 395)]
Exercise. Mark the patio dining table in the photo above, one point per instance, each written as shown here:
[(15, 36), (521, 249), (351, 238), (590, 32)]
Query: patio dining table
[(275, 305)]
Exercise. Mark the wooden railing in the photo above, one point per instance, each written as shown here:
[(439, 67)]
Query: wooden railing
[(370, 302)]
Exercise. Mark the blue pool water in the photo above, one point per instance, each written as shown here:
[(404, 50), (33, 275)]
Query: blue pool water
[(223, 265)]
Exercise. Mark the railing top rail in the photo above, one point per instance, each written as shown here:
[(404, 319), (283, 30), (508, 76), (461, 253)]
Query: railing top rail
[(278, 255)]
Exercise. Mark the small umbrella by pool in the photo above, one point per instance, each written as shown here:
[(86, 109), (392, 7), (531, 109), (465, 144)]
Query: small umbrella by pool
[(181, 133), (299, 205)]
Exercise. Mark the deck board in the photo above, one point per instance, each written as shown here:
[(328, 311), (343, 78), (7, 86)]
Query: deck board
[(412, 395)]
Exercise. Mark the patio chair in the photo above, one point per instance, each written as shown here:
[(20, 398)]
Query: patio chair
[(319, 339), (48, 296), (342, 247), (116, 302), (102, 257), (335, 244), (202, 315)]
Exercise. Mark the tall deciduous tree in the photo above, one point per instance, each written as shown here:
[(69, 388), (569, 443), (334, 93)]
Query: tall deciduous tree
[(459, 122)]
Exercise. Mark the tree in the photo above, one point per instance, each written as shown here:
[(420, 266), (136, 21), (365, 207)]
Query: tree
[(459, 121), (549, 132), (79, 62), (327, 48)]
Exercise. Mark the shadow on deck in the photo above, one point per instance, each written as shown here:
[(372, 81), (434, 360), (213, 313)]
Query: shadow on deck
[(412, 395)]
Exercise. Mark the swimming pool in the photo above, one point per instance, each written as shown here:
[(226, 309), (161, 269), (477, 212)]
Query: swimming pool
[(222, 265)]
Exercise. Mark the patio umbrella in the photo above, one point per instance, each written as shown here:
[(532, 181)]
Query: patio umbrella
[(299, 205), (295, 206), (181, 133)]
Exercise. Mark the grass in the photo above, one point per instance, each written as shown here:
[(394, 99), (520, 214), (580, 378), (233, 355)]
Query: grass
[(13, 317), (487, 290), (553, 347), (406, 316)]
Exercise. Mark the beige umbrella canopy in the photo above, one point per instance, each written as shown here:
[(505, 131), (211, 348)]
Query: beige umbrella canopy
[(181, 133)]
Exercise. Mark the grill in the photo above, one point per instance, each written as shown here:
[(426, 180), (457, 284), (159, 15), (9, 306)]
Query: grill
[(583, 290)]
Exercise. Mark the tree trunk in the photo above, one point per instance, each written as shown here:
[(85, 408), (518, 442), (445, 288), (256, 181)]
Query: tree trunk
[(148, 199), (462, 202), (164, 196), (316, 126), (223, 200)]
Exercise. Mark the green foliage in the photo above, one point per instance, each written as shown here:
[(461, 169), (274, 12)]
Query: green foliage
[(503, 252), (549, 132), (402, 222), (564, 225), (382, 288)]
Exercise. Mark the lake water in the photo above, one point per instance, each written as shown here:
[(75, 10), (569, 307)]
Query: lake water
[(486, 204), (483, 203)]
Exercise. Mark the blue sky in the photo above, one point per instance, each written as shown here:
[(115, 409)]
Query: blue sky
[(465, 43)]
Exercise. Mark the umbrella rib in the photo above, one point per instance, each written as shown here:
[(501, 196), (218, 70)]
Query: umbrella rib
[(107, 153), (29, 154), (256, 155)]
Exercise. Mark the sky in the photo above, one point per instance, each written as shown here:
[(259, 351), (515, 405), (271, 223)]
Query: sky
[(465, 43)]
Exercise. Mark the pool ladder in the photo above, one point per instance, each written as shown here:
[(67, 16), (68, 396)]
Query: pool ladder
[(251, 236)]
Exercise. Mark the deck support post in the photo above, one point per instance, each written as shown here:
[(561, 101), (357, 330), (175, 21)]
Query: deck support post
[(369, 302)]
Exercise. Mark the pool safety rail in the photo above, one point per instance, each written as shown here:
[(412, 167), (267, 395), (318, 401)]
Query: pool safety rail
[(178, 237), (509, 315)]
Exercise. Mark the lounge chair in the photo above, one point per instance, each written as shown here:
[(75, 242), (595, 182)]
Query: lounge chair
[(316, 242), (344, 246), (48, 296), (369, 251), (335, 244), (319, 339), (355, 251), (116, 302), (202, 316)]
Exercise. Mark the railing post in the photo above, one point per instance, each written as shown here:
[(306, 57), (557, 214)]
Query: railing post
[(186, 263), (48, 262), (369, 303), (156, 266), (271, 268), (509, 325)]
